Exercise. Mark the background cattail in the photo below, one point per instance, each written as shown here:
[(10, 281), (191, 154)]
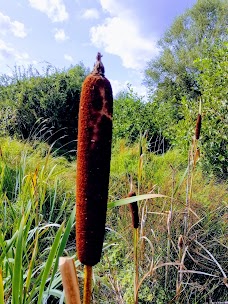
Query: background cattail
[(134, 211), (93, 165), (198, 127)]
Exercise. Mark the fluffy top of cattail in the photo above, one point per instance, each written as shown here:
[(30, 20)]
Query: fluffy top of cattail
[(134, 211)]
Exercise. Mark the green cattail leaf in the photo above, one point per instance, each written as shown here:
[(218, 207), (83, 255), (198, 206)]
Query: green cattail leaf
[(132, 199), (6, 245), (181, 180), (63, 242), (31, 265), (49, 263), (18, 269), (1, 287), (54, 292)]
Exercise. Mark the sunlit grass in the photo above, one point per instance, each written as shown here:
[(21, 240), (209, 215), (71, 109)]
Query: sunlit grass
[(37, 208), (37, 196)]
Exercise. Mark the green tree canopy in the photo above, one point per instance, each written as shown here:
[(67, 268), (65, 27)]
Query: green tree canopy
[(184, 42), (191, 64), (213, 82)]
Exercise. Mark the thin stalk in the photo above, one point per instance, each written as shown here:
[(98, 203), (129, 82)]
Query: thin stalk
[(169, 221), (140, 168), (181, 256), (187, 206), (87, 292), (136, 260), (1, 287)]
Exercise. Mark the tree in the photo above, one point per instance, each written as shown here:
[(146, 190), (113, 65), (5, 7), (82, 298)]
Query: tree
[(213, 82), (133, 118), (176, 82), (184, 42), (127, 115), (173, 75)]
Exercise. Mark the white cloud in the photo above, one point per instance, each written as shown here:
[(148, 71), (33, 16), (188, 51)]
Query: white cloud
[(111, 6), (15, 27), (54, 9), (118, 86), (91, 13), (68, 57), (120, 35), (7, 52), (60, 35)]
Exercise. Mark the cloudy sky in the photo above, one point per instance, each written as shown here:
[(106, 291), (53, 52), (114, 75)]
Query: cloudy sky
[(65, 32)]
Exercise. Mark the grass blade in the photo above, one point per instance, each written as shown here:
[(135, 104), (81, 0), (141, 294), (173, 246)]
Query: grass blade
[(18, 269), (49, 263), (132, 199), (63, 242), (1, 288)]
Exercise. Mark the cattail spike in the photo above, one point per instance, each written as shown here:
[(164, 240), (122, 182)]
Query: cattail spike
[(134, 211), (93, 166), (198, 126)]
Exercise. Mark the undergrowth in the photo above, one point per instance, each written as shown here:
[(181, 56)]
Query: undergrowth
[(176, 265)]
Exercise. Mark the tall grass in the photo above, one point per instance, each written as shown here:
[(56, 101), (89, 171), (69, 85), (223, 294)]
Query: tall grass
[(176, 265), (37, 196), (37, 215)]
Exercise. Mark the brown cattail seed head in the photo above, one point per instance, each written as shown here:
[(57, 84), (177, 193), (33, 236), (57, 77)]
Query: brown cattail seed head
[(93, 166), (198, 126), (134, 211), (169, 221), (181, 242)]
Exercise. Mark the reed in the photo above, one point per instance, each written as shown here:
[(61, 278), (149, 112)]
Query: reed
[(135, 224)]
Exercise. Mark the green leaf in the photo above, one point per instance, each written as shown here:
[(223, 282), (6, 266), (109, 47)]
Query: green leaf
[(63, 242), (49, 263), (18, 268), (132, 199), (1, 288)]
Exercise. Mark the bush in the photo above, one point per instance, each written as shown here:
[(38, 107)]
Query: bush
[(42, 106)]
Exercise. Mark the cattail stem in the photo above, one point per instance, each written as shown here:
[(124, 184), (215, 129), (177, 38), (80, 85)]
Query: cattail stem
[(136, 260), (135, 224), (1, 287), (181, 255), (87, 292)]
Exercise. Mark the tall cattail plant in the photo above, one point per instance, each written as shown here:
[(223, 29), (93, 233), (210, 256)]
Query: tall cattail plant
[(135, 224), (194, 155), (93, 167), (192, 160)]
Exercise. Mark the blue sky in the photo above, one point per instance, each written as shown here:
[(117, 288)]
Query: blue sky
[(65, 32)]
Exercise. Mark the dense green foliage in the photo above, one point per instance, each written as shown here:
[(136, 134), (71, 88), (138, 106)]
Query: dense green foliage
[(173, 73), (42, 106), (133, 118), (192, 64), (213, 82)]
